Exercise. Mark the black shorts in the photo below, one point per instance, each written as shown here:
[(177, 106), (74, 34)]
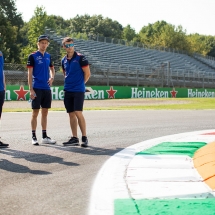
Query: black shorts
[(73, 101), (2, 96), (43, 99)]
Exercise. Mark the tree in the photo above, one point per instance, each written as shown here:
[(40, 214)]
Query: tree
[(35, 27), (8, 39), (96, 25), (61, 26), (128, 33), (199, 44), (149, 34), (78, 24), (173, 37), (165, 35), (209, 42), (8, 9), (10, 24)]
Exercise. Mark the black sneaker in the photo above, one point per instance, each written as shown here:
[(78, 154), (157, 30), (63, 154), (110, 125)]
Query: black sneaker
[(84, 142), (74, 141), (34, 141), (3, 145)]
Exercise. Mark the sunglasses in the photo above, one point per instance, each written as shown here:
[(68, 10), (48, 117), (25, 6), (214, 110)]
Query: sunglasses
[(69, 45)]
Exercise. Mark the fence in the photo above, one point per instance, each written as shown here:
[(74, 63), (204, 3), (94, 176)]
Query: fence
[(119, 75)]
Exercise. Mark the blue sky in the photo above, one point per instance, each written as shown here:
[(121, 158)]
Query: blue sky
[(195, 16)]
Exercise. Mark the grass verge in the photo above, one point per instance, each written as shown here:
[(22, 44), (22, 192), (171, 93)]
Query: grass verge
[(136, 104)]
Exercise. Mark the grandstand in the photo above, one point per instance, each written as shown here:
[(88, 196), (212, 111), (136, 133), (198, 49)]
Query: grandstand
[(113, 62), (210, 61), (127, 65)]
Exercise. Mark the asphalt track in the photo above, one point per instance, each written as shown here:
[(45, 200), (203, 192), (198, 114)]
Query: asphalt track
[(59, 180)]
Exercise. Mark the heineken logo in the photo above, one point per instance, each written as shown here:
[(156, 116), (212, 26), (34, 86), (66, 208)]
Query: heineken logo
[(145, 93), (197, 93)]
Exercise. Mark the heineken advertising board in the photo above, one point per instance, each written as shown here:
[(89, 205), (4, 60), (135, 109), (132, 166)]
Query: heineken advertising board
[(115, 92)]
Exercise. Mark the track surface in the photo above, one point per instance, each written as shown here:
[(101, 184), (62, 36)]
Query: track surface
[(58, 180)]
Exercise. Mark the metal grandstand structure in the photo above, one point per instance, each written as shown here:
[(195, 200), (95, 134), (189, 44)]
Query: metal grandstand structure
[(116, 62)]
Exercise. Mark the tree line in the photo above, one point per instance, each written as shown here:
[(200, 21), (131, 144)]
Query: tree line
[(18, 38)]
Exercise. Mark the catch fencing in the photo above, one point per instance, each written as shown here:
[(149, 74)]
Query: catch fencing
[(119, 75)]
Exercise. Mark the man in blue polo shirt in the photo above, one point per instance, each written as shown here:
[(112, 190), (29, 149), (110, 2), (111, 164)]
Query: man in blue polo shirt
[(76, 71), (2, 91), (41, 74)]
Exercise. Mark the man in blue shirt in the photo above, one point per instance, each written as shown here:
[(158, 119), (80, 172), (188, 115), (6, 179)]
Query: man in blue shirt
[(2, 91), (76, 71), (41, 74)]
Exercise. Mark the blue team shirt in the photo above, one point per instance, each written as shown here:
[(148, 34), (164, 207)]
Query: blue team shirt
[(1, 72), (41, 69), (74, 75)]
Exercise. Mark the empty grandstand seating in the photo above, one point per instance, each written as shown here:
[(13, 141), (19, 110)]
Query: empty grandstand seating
[(127, 65), (206, 60), (100, 52)]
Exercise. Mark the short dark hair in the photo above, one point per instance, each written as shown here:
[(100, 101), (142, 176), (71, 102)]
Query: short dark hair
[(43, 37), (67, 39)]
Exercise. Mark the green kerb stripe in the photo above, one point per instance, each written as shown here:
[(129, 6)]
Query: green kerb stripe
[(164, 207), (173, 148)]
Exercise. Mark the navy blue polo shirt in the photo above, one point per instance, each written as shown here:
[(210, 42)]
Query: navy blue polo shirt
[(74, 75), (41, 69), (1, 72)]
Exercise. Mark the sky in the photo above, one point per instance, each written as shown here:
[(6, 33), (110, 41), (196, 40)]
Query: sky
[(195, 16)]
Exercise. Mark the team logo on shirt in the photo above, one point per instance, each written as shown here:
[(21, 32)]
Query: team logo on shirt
[(39, 58)]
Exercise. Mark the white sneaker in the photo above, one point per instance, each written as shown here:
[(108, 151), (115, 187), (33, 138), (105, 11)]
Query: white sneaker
[(48, 140), (34, 141)]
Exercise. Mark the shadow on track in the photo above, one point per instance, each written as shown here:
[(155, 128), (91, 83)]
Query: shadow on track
[(30, 157)]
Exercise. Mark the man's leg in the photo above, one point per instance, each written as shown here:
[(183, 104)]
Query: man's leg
[(45, 138), (44, 114), (69, 105), (78, 107), (81, 122), (2, 95), (82, 125), (73, 124), (35, 113)]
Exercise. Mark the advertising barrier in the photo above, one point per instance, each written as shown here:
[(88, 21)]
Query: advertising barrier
[(115, 92)]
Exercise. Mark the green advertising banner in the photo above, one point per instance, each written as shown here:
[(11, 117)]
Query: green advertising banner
[(115, 92)]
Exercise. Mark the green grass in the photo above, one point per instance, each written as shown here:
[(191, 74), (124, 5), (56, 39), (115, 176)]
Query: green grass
[(163, 104), (141, 104), (16, 109)]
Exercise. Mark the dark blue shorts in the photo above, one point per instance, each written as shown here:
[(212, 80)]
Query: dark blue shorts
[(73, 101), (2, 96), (43, 99)]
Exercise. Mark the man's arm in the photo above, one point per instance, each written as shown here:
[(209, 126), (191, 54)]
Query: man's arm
[(4, 82), (64, 73), (52, 74), (30, 83), (87, 73)]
